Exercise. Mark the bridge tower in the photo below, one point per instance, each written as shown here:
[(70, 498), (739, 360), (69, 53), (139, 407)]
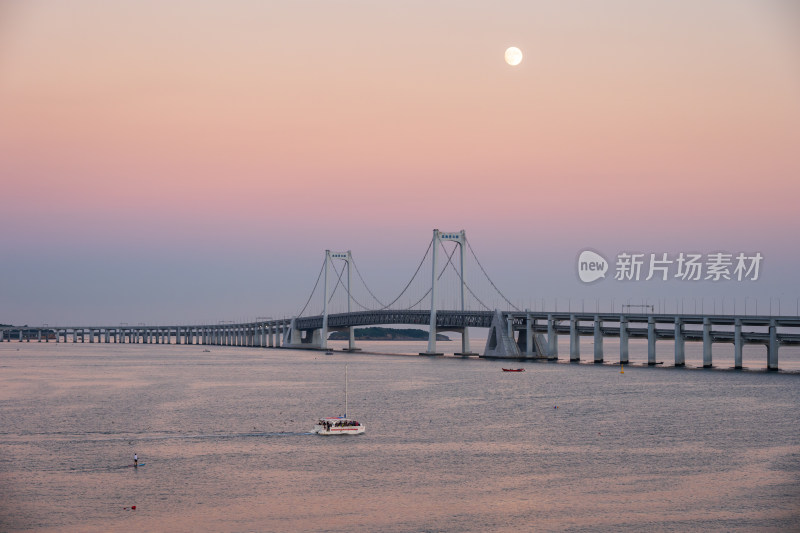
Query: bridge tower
[(348, 258), (459, 237)]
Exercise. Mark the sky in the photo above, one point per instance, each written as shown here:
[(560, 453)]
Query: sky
[(190, 161)]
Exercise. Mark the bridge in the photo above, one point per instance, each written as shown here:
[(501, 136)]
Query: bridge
[(513, 333)]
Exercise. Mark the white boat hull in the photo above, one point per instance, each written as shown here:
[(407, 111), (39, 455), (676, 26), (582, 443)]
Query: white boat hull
[(339, 430)]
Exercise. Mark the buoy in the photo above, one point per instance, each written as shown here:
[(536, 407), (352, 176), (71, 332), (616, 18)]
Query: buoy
[(133, 507), (621, 371)]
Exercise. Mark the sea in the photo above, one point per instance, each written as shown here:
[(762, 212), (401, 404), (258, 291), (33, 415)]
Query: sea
[(452, 444)]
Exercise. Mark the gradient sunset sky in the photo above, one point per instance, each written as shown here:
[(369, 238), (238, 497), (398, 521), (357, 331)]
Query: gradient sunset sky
[(190, 161)]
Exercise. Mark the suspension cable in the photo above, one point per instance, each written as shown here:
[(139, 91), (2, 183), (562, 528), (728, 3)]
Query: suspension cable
[(488, 278), (365, 283), (430, 244), (350, 294), (418, 301), (312, 290), (339, 274), (450, 262)]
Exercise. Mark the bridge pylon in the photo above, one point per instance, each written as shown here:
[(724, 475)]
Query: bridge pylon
[(459, 237), (318, 339)]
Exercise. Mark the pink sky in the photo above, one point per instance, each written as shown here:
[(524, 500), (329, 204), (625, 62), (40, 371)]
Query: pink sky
[(177, 145)]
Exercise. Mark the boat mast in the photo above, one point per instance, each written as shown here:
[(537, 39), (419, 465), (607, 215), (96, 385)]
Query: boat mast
[(345, 391)]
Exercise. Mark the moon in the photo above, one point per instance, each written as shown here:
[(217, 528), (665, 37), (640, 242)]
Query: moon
[(513, 56)]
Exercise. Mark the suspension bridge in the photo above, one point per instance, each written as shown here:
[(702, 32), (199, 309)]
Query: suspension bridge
[(436, 296)]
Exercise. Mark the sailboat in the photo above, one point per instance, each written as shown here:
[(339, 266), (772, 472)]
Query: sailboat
[(339, 425)]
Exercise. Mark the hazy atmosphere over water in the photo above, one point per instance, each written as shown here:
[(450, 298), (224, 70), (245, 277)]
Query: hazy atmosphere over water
[(187, 162)]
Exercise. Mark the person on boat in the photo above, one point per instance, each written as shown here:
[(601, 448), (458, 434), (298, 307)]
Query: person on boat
[(135, 460)]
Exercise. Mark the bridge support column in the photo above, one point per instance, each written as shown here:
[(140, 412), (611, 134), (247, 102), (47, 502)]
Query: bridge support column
[(529, 348), (707, 363), (574, 340), (651, 341), (598, 339), (500, 342), (39, 335), (623, 340), (465, 347), (680, 343), (772, 350), (737, 344), (552, 338), (432, 329)]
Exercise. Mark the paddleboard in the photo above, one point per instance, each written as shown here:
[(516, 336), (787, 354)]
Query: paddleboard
[(134, 466)]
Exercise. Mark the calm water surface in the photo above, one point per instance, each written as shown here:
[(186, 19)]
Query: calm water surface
[(451, 444)]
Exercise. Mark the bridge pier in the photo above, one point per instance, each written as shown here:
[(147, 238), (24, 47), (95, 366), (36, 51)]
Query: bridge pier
[(530, 350), (500, 341), (313, 338), (574, 340), (737, 344), (552, 338), (680, 343), (623, 340), (432, 329), (598, 339), (651, 341), (466, 351), (772, 349), (707, 363)]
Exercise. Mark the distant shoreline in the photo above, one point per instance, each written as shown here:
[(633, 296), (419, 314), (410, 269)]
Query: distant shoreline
[(386, 334)]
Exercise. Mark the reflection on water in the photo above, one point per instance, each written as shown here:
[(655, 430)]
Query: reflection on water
[(451, 444)]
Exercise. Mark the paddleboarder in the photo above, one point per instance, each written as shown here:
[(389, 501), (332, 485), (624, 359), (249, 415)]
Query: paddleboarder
[(135, 461)]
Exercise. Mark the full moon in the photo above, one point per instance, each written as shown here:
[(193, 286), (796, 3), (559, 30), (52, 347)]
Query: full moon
[(513, 56)]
